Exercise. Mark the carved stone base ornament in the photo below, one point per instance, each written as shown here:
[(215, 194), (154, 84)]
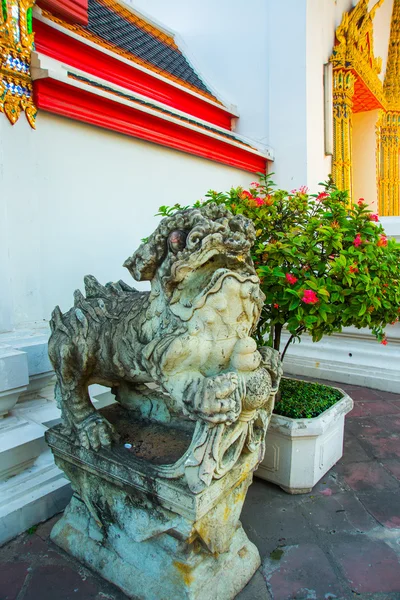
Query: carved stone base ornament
[(160, 477), (16, 43)]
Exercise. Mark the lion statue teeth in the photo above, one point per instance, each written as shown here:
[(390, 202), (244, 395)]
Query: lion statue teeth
[(190, 334)]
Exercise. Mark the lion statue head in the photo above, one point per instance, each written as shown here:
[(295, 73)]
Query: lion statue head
[(192, 252)]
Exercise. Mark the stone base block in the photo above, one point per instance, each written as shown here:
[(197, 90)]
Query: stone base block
[(136, 521), (33, 496), (21, 442), (159, 568)]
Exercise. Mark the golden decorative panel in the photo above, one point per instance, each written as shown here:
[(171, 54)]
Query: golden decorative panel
[(388, 163), (354, 49), (16, 43), (391, 84), (355, 74), (388, 129), (343, 90)]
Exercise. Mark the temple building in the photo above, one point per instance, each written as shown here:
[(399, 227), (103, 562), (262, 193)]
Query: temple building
[(110, 109)]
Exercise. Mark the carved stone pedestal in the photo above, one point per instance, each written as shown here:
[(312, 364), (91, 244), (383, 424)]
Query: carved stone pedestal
[(137, 523)]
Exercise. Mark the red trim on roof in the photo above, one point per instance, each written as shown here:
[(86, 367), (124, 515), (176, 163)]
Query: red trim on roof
[(62, 99), (67, 49), (73, 11)]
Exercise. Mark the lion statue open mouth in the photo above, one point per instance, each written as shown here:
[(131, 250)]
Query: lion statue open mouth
[(191, 334)]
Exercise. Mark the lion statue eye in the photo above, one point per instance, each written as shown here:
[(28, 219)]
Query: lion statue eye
[(177, 240)]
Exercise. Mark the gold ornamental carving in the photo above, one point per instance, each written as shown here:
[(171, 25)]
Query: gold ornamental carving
[(354, 49), (354, 63), (343, 91), (16, 43), (388, 128), (388, 163)]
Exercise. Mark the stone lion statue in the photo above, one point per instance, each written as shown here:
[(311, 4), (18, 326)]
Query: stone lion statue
[(190, 334)]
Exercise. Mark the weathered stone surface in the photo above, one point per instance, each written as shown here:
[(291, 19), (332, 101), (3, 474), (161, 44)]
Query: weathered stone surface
[(160, 477), (154, 537)]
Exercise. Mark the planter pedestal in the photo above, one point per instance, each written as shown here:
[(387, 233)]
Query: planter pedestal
[(300, 451), (153, 536)]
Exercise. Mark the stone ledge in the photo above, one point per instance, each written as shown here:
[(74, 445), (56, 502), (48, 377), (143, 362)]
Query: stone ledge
[(353, 357), (14, 377), (32, 496), (39, 490), (21, 442), (33, 343)]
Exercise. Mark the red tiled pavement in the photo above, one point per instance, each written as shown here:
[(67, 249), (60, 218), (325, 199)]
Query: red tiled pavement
[(370, 566), (374, 408), (56, 581), (366, 476), (12, 579), (296, 574), (393, 466)]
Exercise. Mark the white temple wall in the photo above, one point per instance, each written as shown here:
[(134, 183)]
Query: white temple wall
[(287, 80), (382, 21), (77, 200)]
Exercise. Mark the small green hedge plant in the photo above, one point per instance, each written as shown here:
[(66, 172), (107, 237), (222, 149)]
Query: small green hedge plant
[(323, 263), (304, 400)]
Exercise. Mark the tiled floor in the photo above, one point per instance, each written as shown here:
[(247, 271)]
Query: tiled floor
[(341, 541)]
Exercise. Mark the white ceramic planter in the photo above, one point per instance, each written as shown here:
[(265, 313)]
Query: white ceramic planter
[(300, 451)]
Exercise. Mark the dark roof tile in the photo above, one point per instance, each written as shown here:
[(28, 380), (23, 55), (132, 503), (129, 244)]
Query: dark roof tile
[(113, 28)]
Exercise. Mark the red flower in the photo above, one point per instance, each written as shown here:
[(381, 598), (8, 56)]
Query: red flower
[(357, 240), (309, 297), (254, 184), (383, 241), (353, 269), (374, 217), (302, 190), (384, 342), (259, 201), (360, 202), (321, 196), (291, 278), (276, 305), (246, 194)]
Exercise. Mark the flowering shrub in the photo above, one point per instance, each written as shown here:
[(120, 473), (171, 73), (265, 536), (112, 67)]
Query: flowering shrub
[(323, 264)]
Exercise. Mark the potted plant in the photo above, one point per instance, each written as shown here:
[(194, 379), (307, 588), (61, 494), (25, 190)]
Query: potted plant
[(305, 435), (324, 263)]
